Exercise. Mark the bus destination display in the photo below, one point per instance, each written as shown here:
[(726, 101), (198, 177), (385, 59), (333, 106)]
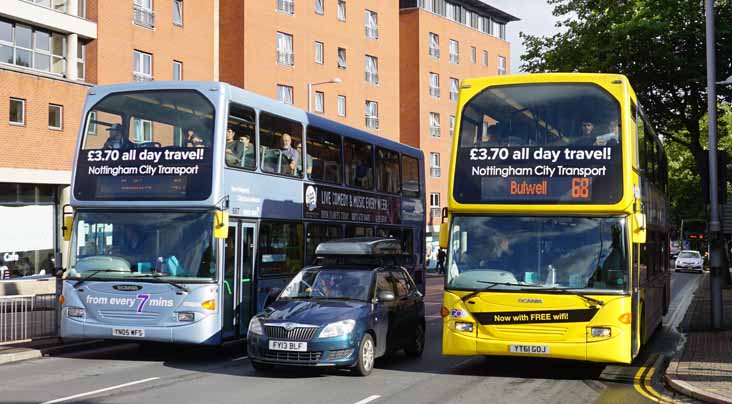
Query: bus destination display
[(171, 173), (530, 174)]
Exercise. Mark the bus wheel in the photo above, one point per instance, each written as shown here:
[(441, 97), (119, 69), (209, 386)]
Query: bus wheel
[(416, 346), (366, 356)]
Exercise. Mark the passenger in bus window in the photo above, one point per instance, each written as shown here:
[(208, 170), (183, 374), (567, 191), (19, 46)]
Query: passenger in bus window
[(234, 149), (587, 137), (612, 136), (247, 157), (194, 139), (291, 155), (116, 139), (308, 162)]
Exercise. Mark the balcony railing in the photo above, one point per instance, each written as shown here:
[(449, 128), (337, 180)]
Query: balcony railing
[(372, 122), (372, 32), (501, 72), (435, 172), (434, 52), (435, 212), (144, 17), (454, 58), (286, 58), (372, 78), (435, 131), (453, 96), (286, 6), (139, 76), (435, 92)]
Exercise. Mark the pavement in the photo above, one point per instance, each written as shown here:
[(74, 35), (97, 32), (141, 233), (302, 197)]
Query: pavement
[(702, 369), (40, 348)]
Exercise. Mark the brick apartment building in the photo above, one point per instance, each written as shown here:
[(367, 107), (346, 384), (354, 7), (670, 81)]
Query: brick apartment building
[(382, 53)]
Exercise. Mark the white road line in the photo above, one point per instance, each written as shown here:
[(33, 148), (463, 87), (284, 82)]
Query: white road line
[(60, 400), (241, 358), (368, 399), (432, 316)]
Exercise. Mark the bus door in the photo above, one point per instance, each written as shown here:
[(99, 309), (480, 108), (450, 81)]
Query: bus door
[(237, 285), (245, 274)]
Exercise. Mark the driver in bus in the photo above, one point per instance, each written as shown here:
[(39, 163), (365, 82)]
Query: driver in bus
[(116, 139), (587, 136)]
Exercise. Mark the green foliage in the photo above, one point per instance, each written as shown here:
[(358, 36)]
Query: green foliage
[(660, 46)]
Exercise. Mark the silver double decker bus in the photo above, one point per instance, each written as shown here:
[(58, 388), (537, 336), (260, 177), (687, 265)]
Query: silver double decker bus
[(194, 202)]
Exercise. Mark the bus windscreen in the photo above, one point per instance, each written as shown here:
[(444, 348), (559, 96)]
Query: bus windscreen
[(147, 145), (545, 143)]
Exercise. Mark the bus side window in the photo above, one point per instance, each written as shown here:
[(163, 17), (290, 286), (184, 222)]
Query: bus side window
[(387, 171), (410, 177), (279, 138), (323, 156), (359, 231), (280, 248), (241, 143), (360, 166)]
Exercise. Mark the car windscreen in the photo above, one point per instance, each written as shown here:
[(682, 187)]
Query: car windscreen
[(689, 254), (329, 284)]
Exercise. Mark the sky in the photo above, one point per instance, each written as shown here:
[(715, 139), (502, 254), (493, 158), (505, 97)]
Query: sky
[(536, 19)]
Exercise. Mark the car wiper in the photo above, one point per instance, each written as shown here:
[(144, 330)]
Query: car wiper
[(566, 291), (92, 274), (490, 286), (158, 278)]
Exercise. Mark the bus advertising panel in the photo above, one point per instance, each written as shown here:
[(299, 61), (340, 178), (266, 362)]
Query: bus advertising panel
[(331, 203)]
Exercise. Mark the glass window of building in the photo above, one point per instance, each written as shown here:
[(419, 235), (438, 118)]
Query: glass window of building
[(359, 164), (501, 65), (434, 49), (372, 69), (435, 171), (387, 171), (410, 177), (454, 88), (55, 117), (286, 6), (485, 58), (452, 124), (341, 58), (280, 248), (241, 139), (372, 114), (341, 10), (435, 85), (434, 124), (143, 13), (323, 155), (279, 138), (454, 52), (17, 111), (318, 50), (371, 24), (435, 205), (319, 101), (177, 70), (80, 60), (143, 66), (473, 54), (341, 105), (285, 55), (284, 93), (178, 12), (319, 7), (25, 46)]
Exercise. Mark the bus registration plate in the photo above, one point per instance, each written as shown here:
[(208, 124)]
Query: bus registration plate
[(529, 349), (288, 346), (128, 332)]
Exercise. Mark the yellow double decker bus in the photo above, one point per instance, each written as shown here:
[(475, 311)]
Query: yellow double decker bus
[(556, 228)]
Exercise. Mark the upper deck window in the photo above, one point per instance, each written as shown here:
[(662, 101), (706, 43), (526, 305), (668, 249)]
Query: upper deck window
[(323, 156), (280, 139)]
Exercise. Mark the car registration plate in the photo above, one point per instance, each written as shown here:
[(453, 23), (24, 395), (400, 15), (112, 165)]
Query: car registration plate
[(288, 346), (128, 332), (529, 349)]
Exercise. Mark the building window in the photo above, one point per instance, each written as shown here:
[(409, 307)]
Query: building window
[(284, 93), (177, 70), (434, 49), (17, 111), (318, 50), (143, 66), (485, 58), (286, 6), (285, 56), (435, 124), (435, 205), (91, 125), (371, 24), (341, 10), (454, 52), (435, 85), (142, 130), (319, 101), (178, 12), (452, 124), (341, 58), (501, 65), (80, 60), (435, 164), (341, 105), (144, 14), (454, 88), (34, 49), (372, 69), (55, 117), (502, 31), (372, 115), (473, 55), (319, 7)]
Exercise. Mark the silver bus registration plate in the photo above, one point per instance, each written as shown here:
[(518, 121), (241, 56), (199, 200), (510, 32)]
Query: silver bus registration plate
[(288, 346), (529, 349)]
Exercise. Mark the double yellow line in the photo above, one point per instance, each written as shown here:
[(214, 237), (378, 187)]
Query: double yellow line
[(642, 383)]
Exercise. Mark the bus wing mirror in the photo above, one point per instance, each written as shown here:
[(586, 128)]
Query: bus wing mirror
[(639, 228), (221, 224), (444, 235), (68, 225)]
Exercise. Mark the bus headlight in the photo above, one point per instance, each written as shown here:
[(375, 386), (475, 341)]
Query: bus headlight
[(186, 316), (75, 312), (337, 329), (255, 326), (601, 332), (464, 327)]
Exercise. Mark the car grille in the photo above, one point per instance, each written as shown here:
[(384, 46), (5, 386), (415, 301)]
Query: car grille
[(304, 358), (297, 333), (340, 354)]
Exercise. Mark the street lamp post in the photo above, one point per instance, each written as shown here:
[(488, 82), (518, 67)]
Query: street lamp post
[(335, 80)]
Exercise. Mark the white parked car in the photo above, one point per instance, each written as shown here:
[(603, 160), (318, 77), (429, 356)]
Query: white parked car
[(689, 260)]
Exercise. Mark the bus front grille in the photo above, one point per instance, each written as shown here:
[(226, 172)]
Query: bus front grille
[(297, 333), (127, 315)]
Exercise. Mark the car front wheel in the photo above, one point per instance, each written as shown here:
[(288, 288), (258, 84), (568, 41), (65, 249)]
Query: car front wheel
[(366, 356)]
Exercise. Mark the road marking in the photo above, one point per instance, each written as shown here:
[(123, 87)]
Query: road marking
[(368, 399), (643, 385), (60, 400), (241, 358)]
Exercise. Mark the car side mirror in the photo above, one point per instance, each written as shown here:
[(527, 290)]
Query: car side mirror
[(386, 296)]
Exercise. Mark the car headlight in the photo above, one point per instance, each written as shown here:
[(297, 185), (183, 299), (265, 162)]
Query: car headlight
[(255, 326), (337, 329), (75, 312)]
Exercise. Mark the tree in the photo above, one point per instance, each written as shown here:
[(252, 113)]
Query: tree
[(658, 44)]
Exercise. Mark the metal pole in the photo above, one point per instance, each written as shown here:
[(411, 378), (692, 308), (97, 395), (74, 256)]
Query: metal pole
[(715, 282), (310, 97)]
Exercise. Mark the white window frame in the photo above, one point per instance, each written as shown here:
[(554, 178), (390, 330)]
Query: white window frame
[(178, 10), (143, 13), (435, 170), (371, 24), (319, 101), (286, 6), (501, 65), (60, 116), (372, 69), (142, 130), (342, 105), (319, 50), (473, 55), (452, 124), (435, 210), (138, 67), (341, 10), (285, 94), (22, 114), (284, 49), (435, 124), (342, 61), (319, 7), (80, 61), (485, 57), (454, 52), (434, 85), (177, 67), (372, 114), (454, 89), (434, 49)]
